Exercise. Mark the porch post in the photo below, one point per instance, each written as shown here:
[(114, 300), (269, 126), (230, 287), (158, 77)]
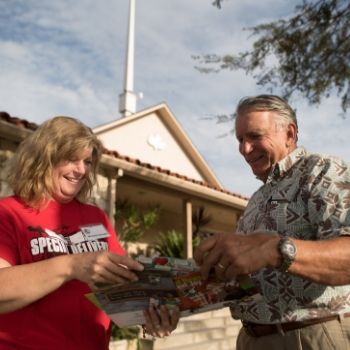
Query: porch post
[(113, 177), (187, 210)]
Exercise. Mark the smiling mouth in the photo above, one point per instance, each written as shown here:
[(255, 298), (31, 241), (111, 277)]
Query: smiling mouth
[(73, 180), (252, 161)]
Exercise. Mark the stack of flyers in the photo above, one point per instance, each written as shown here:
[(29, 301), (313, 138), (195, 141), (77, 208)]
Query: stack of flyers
[(171, 282)]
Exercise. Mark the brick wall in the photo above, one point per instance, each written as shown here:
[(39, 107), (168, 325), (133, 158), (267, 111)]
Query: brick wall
[(214, 330)]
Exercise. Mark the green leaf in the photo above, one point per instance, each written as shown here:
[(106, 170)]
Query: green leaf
[(171, 243)]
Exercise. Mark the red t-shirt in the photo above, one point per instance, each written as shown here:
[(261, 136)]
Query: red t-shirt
[(64, 319)]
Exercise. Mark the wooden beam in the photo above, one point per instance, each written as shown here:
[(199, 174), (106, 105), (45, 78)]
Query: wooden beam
[(187, 205)]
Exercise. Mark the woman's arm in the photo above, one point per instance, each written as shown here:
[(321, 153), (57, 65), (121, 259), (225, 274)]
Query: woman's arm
[(22, 285)]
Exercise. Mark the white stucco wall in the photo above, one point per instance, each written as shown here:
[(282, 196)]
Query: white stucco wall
[(135, 140)]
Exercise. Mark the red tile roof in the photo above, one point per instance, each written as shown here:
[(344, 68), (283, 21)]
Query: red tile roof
[(21, 123), (17, 121)]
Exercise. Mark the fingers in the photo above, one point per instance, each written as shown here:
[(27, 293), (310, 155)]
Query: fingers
[(203, 249), (119, 269), (175, 317), (104, 268), (219, 253), (153, 326), (116, 275), (208, 254), (126, 261), (161, 322), (232, 255), (221, 269), (228, 257), (210, 261), (169, 319), (115, 270)]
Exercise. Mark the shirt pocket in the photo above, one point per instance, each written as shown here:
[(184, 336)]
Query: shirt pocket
[(291, 216), (278, 208)]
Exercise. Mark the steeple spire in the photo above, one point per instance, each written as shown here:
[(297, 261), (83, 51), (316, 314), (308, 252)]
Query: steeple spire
[(127, 100)]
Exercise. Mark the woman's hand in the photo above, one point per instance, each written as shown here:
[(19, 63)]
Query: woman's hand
[(161, 322), (100, 268)]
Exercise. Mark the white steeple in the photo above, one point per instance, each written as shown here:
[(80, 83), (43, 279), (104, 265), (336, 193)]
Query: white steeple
[(127, 100)]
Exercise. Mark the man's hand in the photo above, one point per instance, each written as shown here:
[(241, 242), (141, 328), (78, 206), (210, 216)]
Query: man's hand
[(232, 255)]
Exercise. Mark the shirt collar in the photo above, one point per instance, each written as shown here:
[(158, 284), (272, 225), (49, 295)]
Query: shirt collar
[(285, 164)]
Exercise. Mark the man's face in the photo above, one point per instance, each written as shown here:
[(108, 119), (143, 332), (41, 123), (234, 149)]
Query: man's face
[(261, 142), (69, 176)]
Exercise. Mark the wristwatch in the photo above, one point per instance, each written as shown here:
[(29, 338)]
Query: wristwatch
[(288, 251)]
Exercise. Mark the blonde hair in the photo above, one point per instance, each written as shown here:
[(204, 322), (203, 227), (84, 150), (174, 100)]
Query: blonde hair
[(58, 139)]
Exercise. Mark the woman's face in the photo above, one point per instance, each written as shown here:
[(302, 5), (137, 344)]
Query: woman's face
[(69, 176)]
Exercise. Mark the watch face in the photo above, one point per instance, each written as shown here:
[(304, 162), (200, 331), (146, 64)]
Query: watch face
[(288, 251), (288, 248)]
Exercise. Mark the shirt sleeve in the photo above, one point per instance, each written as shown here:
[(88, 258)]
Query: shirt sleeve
[(329, 201), (113, 241), (8, 237)]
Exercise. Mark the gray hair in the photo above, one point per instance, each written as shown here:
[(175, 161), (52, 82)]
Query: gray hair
[(269, 103)]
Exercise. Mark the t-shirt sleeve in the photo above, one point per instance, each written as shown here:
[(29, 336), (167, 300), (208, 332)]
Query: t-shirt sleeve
[(113, 241), (8, 237)]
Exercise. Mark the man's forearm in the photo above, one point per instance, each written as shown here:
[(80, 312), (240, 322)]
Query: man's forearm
[(326, 262)]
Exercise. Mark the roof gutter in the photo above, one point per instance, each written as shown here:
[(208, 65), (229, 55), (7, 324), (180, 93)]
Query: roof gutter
[(181, 185)]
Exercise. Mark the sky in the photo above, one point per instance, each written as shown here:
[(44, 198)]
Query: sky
[(66, 57)]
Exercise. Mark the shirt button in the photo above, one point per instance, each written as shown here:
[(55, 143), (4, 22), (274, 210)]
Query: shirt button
[(276, 171)]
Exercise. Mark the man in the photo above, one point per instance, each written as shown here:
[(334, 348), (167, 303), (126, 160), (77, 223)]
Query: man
[(293, 238)]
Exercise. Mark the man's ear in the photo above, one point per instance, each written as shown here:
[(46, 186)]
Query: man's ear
[(291, 134)]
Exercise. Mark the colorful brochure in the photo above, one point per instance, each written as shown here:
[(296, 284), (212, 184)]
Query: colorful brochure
[(171, 282)]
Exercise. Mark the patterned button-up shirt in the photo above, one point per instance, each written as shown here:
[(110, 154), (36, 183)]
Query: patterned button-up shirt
[(306, 196)]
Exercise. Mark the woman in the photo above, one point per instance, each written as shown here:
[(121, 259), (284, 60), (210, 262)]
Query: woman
[(54, 247)]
